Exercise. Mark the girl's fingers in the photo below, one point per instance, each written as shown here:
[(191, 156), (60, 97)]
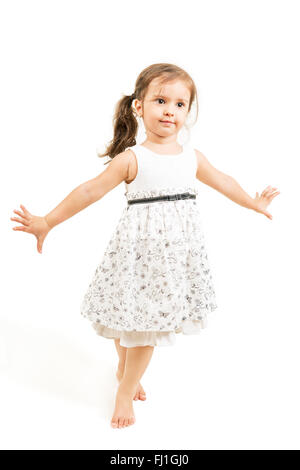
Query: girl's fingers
[(268, 191), (272, 196), (22, 221), (265, 190), (25, 210), (19, 227), (22, 214), (267, 214)]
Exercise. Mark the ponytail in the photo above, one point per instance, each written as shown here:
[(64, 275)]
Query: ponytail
[(125, 127)]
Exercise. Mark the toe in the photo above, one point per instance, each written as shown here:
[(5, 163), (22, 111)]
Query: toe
[(114, 424)]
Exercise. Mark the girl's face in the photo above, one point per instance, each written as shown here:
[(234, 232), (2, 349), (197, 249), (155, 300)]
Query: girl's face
[(168, 102)]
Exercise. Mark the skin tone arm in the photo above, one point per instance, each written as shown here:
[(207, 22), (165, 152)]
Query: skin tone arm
[(228, 186), (81, 197)]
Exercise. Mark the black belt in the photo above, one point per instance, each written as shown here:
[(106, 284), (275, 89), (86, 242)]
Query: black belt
[(171, 197)]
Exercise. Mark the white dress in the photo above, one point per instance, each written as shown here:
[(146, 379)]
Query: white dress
[(154, 279)]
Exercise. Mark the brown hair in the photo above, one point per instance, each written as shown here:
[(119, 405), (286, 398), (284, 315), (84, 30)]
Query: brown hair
[(125, 122)]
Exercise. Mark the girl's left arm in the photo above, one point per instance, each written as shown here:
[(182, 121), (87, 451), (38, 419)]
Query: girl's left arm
[(228, 186)]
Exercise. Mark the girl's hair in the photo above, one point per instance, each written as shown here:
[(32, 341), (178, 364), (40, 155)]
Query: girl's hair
[(125, 122)]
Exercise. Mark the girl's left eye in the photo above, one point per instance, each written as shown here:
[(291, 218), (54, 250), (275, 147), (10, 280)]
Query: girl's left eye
[(178, 102)]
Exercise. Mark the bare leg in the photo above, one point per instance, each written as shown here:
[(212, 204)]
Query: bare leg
[(122, 356), (140, 393), (137, 360)]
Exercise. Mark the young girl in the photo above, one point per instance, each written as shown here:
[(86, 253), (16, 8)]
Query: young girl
[(154, 279)]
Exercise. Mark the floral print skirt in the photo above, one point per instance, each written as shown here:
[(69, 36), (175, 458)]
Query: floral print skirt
[(154, 279)]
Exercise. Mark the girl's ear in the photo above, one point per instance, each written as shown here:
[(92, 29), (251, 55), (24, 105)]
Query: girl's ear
[(134, 106), (137, 107)]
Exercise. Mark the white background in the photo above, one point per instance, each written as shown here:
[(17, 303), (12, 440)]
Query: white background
[(65, 64)]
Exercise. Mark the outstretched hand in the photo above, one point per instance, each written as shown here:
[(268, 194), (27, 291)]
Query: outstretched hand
[(262, 201), (32, 224)]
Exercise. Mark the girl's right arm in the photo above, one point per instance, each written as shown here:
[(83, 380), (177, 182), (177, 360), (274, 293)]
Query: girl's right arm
[(81, 197), (91, 191)]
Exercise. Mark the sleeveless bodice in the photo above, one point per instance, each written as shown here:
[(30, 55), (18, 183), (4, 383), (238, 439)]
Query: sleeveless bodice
[(162, 174)]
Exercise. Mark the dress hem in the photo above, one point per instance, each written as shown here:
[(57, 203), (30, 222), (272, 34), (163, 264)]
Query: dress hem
[(133, 338)]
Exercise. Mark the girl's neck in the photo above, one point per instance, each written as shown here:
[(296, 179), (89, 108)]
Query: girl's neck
[(169, 148)]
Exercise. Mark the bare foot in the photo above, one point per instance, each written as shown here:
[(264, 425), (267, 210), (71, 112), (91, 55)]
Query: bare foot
[(123, 413), (140, 393)]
